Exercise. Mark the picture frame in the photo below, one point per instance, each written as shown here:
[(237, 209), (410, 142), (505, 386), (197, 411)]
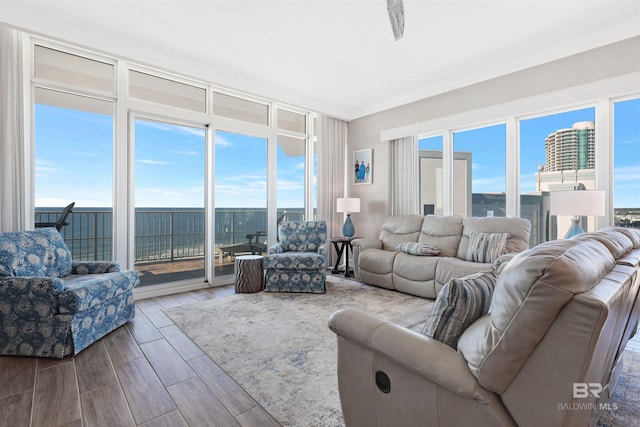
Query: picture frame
[(362, 158)]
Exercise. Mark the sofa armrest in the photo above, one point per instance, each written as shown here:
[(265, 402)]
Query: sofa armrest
[(364, 243), (94, 267), (358, 245), (275, 249), (430, 359), (27, 297), (323, 250)]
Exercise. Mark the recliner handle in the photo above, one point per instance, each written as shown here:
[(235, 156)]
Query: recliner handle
[(383, 382)]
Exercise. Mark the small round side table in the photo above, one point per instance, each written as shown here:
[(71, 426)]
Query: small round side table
[(249, 274)]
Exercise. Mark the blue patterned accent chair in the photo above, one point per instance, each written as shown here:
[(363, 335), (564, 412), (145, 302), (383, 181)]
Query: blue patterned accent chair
[(51, 306), (298, 262)]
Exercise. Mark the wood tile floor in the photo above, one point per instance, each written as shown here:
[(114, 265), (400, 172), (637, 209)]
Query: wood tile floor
[(147, 373)]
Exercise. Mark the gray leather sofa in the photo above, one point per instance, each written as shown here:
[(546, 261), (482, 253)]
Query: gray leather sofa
[(378, 262), (560, 315)]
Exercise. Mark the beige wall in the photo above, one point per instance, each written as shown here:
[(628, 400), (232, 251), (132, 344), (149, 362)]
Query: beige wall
[(606, 62)]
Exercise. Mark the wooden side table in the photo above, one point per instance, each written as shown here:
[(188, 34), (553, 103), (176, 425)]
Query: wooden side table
[(249, 274), (342, 245)]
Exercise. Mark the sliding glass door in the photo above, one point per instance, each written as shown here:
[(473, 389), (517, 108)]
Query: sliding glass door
[(169, 202)]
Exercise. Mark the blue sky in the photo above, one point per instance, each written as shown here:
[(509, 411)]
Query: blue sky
[(487, 146), (74, 160)]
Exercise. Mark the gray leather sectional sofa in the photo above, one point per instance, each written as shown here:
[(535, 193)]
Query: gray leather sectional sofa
[(548, 352), (379, 262)]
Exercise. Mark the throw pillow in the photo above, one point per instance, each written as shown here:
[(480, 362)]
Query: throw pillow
[(485, 247), (417, 248), (460, 303)]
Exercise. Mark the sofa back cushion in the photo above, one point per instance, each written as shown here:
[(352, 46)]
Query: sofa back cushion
[(530, 292), (400, 228), (302, 236), (443, 232), (517, 228), (37, 253)]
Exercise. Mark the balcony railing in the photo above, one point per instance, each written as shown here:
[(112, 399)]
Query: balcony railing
[(161, 234)]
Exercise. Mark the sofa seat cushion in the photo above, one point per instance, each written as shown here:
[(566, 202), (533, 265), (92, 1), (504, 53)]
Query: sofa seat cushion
[(414, 319), (460, 303), (84, 291), (415, 268), (295, 261), (38, 253), (377, 261), (452, 268)]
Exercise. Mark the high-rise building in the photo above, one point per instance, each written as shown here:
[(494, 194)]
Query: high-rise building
[(571, 149)]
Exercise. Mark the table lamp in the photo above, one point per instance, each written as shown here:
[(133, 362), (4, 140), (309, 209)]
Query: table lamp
[(577, 203), (348, 205)]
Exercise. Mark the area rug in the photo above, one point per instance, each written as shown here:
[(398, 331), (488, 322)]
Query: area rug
[(278, 347), (623, 409)]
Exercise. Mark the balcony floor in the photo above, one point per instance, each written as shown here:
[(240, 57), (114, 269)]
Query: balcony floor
[(153, 273)]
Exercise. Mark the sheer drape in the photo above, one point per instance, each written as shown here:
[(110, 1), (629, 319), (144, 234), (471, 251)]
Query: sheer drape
[(332, 142), (404, 176), (12, 155)]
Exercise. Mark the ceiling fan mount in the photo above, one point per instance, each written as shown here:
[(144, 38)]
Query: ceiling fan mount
[(396, 16)]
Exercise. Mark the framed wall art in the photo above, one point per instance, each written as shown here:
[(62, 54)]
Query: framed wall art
[(363, 166)]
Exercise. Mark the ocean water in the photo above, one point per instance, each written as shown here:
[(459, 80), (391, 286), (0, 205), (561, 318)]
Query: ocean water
[(160, 233)]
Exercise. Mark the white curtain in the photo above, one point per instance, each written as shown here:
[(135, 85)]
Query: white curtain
[(12, 154), (405, 194), (332, 142)]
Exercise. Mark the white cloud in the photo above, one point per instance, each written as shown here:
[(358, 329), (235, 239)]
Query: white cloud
[(627, 173), (152, 162), (222, 141)]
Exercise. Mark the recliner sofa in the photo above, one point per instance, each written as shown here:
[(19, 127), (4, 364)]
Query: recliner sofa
[(379, 262), (51, 306), (560, 316)]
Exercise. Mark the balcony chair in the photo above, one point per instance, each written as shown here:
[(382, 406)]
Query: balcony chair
[(51, 306), (62, 219), (298, 262)]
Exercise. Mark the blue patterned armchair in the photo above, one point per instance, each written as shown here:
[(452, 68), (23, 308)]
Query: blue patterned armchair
[(298, 262), (51, 306)]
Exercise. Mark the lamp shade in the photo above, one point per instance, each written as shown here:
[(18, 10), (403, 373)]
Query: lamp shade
[(577, 203), (348, 204)]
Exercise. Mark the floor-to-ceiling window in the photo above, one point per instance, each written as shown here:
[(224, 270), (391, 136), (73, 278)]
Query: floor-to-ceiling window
[(134, 148), (291, 164), (479, 171), (73, 144), (557, 152), (626, 163), (169, 202)]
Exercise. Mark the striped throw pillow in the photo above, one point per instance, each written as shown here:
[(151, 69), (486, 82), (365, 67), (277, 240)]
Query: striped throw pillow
[(460, 303), (417, 248), (485, 247)]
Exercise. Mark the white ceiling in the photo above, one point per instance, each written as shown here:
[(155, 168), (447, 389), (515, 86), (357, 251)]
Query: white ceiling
[(336, 57)]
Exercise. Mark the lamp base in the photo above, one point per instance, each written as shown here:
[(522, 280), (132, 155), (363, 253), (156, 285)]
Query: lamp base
[(347, 229), (575, 228)]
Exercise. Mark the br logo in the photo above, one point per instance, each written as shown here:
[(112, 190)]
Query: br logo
[(583, 390)]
